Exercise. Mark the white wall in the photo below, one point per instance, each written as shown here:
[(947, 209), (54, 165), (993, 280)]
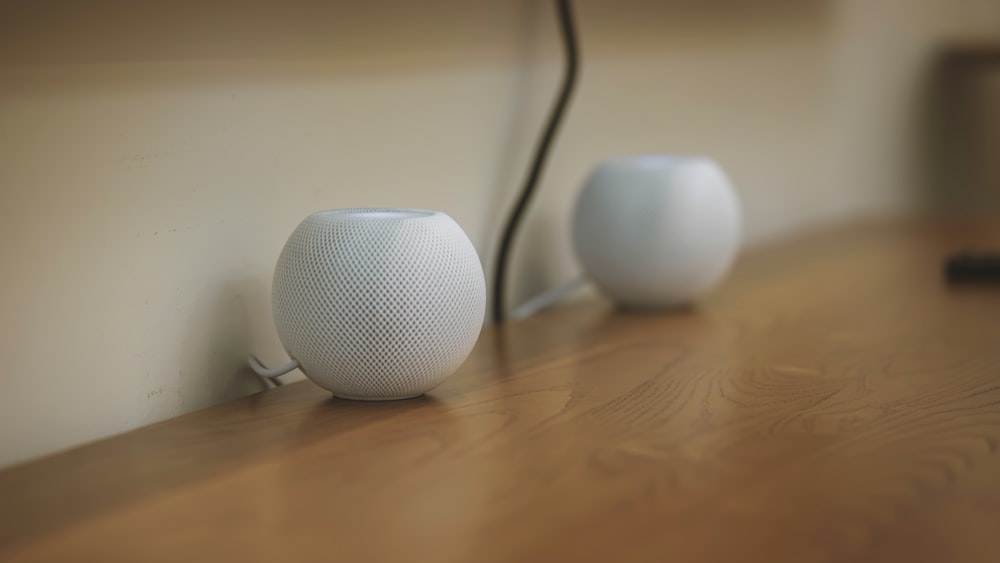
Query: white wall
[(155, 156)]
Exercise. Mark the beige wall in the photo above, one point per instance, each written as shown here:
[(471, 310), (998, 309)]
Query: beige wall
[(155, 156)]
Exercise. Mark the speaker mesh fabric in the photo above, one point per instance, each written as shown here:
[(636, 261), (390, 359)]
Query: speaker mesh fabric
[(378, 303)]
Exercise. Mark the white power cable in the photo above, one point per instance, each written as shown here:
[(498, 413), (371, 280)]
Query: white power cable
[(271, 373), (547, 299)]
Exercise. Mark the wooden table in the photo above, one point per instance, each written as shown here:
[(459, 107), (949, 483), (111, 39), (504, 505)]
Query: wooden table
[(834, 401)]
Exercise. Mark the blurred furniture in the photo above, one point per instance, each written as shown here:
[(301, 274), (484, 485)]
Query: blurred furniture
[(835, 401), (964, 136)]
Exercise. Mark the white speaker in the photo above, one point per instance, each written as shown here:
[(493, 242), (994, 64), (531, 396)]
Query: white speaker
[(378, 304), (656, 231)]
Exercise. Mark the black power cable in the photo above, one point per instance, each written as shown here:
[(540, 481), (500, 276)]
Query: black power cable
[(563, 8)]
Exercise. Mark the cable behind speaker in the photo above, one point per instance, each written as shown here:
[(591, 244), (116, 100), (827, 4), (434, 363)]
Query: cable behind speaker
[(568, 32)]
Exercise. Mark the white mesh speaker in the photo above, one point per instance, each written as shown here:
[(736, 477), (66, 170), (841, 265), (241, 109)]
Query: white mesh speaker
[(378, 303), (657, 231)]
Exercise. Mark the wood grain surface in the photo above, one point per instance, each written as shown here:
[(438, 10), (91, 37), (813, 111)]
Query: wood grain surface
[(833, 401)]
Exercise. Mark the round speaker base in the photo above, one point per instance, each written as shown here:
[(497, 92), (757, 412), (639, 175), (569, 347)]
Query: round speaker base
[(400, 398)]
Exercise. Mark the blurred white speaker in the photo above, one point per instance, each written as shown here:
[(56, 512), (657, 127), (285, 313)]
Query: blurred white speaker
[(656, 231), (378, 304)]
